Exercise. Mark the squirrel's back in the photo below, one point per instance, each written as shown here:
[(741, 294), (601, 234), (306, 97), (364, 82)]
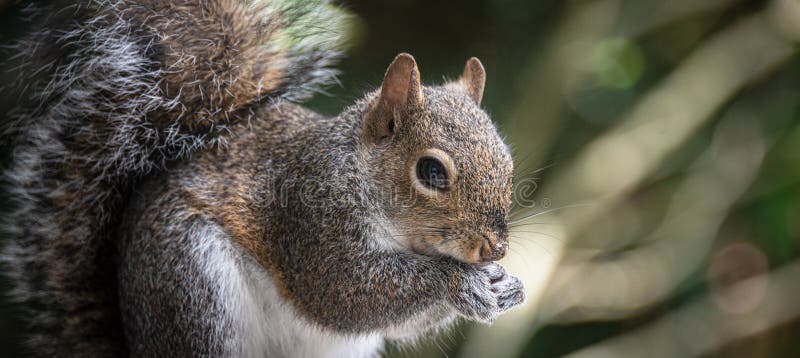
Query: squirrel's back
[(109, 91)]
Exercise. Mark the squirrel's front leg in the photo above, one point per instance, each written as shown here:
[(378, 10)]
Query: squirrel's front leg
[(389, 290)]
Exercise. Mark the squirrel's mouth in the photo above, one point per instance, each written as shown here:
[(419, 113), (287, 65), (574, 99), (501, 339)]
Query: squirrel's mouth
[(471, 250), (468, 247)]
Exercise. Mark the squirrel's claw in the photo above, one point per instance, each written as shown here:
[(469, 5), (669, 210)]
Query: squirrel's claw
[(487, 292)]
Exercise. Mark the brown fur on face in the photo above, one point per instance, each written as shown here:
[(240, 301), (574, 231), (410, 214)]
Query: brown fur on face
[(468, 220)]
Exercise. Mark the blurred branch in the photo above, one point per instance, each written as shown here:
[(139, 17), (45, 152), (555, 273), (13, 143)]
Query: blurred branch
[(546, 83), (644, 16), (671, 113), (562, 69), (616, 287), (611, 166), (703, 326)]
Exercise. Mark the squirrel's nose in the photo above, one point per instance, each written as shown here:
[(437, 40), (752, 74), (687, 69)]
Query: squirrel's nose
[(492, 251)]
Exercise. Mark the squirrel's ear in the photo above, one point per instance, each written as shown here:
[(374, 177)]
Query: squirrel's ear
[(401, 84), (400, 90), (474, 79)]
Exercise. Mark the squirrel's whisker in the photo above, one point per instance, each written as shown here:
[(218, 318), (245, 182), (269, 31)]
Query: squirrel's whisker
[(522, 219), (540, 245), (534, 232)]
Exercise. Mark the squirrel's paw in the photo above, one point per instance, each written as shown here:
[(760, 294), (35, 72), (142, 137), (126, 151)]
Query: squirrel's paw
[(488, 291)]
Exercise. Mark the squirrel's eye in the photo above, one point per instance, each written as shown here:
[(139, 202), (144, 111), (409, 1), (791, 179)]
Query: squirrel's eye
[(431, 172)]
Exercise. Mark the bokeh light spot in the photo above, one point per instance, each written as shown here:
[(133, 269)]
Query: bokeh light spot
[(617, 63), (737, 277)]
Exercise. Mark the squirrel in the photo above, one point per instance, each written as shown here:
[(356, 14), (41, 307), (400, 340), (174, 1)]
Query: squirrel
[(173, 199)]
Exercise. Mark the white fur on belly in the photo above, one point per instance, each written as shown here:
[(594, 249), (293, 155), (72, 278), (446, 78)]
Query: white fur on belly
[(266, 324)]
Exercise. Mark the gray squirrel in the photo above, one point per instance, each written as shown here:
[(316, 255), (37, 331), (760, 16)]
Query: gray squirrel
[(173, 200)]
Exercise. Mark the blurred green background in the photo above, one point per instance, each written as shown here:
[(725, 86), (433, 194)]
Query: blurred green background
[(663, 138)]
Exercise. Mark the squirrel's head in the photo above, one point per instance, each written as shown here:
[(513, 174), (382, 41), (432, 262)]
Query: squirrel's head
[(437, 156)]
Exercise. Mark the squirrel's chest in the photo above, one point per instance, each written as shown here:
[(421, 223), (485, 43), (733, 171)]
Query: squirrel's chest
[(269, 327)]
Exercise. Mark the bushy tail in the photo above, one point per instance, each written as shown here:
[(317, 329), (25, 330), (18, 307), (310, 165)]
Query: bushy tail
[(111, 90)]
